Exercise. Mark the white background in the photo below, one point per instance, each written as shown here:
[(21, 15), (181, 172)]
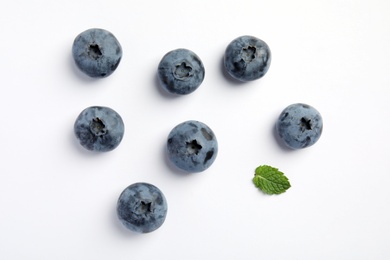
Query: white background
[(58, 200)]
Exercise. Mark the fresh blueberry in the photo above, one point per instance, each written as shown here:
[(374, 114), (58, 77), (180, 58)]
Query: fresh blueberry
[(97, 52), (192, 146), (247, 58), (142, 207), (99, 129), (180, 72), (299, 126)]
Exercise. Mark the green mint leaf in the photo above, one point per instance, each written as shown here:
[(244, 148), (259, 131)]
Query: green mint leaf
[(270, 180)]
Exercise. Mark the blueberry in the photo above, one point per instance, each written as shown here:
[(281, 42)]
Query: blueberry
[(192, 146), (99, 129), (247, 58), (97, 52), (299, 126), (180, 72), (142, 207)]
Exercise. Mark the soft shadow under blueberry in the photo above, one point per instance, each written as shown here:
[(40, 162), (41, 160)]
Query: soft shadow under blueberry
[(120, 228), (161, 91), (78, 73), (81, 150), (230, 79), (172, 168), (280, 143)]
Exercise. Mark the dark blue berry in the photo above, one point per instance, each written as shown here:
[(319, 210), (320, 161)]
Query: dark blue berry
[(180, 72), (247, 58), (142, 207), (99, 129), (192, 146), (299, 126), (97, 52)]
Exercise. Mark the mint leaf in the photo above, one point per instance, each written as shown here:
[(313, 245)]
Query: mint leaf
[(270, 180)]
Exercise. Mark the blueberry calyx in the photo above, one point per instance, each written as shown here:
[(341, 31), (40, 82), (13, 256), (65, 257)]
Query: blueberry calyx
[(144, 207), (193, 147), (248, 54), (182, 71), (98, 128), (94, 51), (305, 124)]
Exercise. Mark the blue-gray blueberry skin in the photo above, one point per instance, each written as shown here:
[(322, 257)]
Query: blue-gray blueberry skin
[(142, 207), (299, 126), (99, 129), (180, 72), (192, 146), (97, 52), (247, 58)]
